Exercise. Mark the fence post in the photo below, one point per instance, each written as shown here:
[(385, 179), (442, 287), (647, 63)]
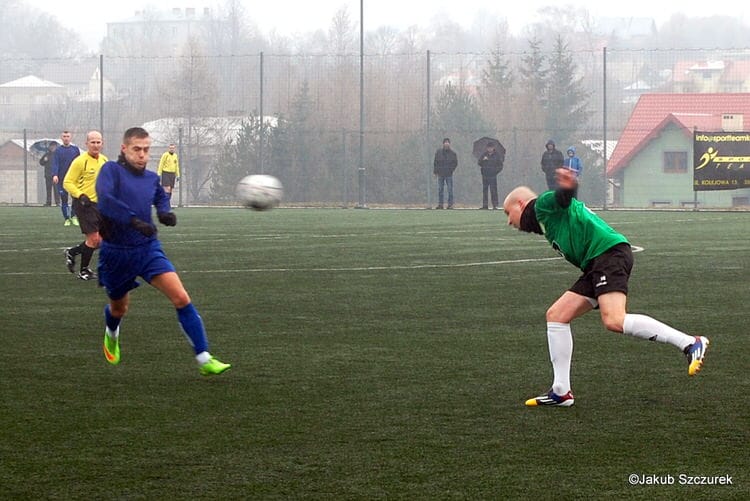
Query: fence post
[(182, 174), (25, 170), (344, 169)]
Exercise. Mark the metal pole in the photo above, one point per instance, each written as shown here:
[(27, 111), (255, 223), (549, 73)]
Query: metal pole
[(692, 156), (604, 125), (362, 178), (179, 155), (344, 169), (101, 93), (262, 125), (427, 133), (25, 170)]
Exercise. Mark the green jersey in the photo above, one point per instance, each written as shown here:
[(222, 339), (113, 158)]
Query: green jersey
[(574, 231)]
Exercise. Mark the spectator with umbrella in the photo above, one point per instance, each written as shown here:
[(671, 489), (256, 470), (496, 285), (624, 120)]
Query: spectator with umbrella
[(491, 155)]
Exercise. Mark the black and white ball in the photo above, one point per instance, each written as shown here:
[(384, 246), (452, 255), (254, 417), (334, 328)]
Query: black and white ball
[(259, 191)]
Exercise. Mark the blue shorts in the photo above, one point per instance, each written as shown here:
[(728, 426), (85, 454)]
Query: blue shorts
[(119, 266)]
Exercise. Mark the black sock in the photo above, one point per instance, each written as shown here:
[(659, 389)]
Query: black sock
[(78, 249), (86, 254)]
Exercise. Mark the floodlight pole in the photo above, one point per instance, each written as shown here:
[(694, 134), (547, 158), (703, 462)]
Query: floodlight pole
[(101, 94), (604, 126), (261, 125), (428, 137), (362, 178)]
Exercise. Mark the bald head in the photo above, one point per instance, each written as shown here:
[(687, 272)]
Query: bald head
[(94, 143), (523, 193), (516, 202)]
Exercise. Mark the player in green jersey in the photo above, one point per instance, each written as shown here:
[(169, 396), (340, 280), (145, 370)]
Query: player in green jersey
[(606, 259)]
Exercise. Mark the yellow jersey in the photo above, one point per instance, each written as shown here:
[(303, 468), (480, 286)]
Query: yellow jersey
[(81, 176), (169, 163)]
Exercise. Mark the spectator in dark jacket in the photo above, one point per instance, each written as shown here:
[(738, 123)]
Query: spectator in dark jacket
[(552, 159), (46, 162), (445, 163), (491, 163)]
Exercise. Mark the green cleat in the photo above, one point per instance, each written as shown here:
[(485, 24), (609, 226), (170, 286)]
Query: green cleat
[(67, 222), (112, 349), (214, 367), (75, 222)]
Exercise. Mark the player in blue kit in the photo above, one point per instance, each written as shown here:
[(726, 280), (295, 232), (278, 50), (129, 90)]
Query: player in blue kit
[(126, 192), (605, 258), (61, 160)]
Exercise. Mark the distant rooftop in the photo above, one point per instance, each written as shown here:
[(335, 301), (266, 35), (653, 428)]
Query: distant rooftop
[(30, 81)]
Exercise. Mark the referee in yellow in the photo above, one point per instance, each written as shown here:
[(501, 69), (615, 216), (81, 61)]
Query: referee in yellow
[(80, 182), (169, 170)]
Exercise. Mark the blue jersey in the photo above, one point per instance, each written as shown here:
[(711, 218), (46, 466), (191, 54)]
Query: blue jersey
[(62, 158), (124, 192)]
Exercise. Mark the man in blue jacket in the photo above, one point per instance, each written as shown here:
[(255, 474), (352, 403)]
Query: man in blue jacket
[(572, 162), (126, 192)]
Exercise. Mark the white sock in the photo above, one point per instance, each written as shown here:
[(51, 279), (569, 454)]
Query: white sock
[(645, 327), (560, 341), (113, 334), (203, 357)]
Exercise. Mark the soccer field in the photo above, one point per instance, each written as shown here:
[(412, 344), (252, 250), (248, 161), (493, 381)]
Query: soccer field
[(376, 354)]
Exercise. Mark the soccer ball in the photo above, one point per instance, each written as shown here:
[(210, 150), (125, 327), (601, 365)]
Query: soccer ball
[(259, 191)]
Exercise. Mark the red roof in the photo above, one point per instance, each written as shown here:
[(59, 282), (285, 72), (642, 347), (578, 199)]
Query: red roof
[(653, 112)]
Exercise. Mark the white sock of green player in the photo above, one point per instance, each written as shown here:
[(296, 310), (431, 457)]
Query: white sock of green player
[(560, 341), (645, 327)]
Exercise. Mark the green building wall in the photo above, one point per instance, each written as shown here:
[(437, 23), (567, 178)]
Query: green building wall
[(645, 184)]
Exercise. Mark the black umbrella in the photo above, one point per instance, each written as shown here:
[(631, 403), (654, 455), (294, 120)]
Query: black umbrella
[(480, 146), (40, 146)]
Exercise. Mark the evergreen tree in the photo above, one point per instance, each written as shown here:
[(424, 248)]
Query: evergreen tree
[(237, 159), (533, 71), (567, 103), (498, 74), (497, 90)]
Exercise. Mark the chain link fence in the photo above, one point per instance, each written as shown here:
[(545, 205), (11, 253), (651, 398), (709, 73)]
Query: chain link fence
[(299, 118)]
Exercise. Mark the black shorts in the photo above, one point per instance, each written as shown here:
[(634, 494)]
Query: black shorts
[(168, 179), (88, 217), (608, 272)]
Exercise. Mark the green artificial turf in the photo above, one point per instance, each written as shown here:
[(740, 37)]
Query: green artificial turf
[(376, 354)]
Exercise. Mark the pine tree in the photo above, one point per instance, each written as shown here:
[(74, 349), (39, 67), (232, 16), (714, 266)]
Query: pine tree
[(533, 71), (567, 103), (237, 159)]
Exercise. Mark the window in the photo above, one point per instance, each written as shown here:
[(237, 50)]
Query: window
[(675, 162)]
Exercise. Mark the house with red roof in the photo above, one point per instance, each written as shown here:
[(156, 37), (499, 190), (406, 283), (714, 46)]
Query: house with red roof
[(652, 164)]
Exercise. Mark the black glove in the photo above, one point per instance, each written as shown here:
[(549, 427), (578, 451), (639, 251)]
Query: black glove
[(167, 218), (84, 201), (142, 226)]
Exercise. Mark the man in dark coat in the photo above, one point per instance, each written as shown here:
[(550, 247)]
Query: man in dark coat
[(491, 163), (445, 163), (46, 162), (552, 159)]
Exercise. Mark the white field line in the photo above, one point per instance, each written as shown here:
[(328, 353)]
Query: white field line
[(341, 269)]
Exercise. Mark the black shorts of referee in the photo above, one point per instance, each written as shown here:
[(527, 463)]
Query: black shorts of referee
[(168, 179), (88, 216)]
